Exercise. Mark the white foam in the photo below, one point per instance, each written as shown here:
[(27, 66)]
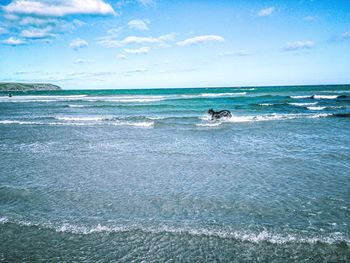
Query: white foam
[(88, 121), (303, 104), (3, 220), (336, 107), (76, 106), (41, 98), (300, 97), (140, 124), (247, 89), (321, 115), (266, 104), (214, 124), (126, 98), (258, 118), (108, 120), (17, 122), (326, 97), (209, 95), (83, 118), (316, 108), (253, 237), (213, 95), (121, 99)]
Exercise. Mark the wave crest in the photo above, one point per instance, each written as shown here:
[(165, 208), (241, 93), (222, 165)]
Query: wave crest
[(227, 233)]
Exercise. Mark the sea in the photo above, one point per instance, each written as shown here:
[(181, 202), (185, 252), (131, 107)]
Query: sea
[(145, 175)]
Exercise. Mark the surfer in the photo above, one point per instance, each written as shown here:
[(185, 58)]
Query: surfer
[(215, 115), (10, 95)]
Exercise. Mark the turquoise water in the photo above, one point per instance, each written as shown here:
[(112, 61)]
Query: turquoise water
[(145, 175)]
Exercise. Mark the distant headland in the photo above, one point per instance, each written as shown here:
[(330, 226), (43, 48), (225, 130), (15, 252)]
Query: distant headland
[(15, 86)]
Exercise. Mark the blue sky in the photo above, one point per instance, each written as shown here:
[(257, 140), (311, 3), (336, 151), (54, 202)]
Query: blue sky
[(87, 44)]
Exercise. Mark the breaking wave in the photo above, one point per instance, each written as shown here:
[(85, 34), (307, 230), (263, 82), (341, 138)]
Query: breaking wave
[(316, 108), (303, 104), (266, 104), (320, 97), (88, 121), (226, 233), (258, 118)]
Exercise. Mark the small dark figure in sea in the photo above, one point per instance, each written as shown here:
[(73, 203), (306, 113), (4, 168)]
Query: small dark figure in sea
[(215, 115), (10, 95)]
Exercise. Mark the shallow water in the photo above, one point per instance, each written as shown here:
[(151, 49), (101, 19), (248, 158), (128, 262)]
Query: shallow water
[(145, 175)]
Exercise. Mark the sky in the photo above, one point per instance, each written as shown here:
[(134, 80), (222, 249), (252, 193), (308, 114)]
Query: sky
[(104, 44)]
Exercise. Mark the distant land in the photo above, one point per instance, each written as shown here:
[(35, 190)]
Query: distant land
[(15, 86)]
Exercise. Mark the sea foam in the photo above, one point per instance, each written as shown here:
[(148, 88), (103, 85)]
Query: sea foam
[(325, 97), (316, 108), (303, 104), (258, 118), (225, 233)]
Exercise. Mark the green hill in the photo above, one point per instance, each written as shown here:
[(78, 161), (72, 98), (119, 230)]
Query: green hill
[(14, 86)]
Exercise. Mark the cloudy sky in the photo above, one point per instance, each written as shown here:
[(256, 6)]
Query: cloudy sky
[(79, 44)]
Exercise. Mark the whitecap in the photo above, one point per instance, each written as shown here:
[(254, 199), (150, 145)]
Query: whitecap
[(83, 118), (316, 108), (76, 106), (253, 237), (42, 98), (303, 104), (321, 115), (210, 95), (3, 220), (222, 94), (300, 97), (17, 122), (131, 100), (326, 97), (258, 118), (248, 89), (144, 124), (227, 233)]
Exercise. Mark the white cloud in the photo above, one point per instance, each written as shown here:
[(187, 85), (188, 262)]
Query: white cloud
[(77, 22), (140, 40), (11, 17), (291, 46), (137, 70), (146, 2), (239, 53), (26, 72), (122, 56), (309, 18), (84, 61), (141, 50), (346, 35), (13, 41), (139, 24), (2, 31), (37, 33), (168, 37), (200, 39), (133, 40), (114, 32), (78, 43), (59, 8), (31, 21), (266, 11)]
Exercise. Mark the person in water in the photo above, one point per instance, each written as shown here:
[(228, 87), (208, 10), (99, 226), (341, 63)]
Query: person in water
[(10, 95), (215, 115)]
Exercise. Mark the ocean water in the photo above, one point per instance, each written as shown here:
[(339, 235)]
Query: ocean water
[(146, 176)]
